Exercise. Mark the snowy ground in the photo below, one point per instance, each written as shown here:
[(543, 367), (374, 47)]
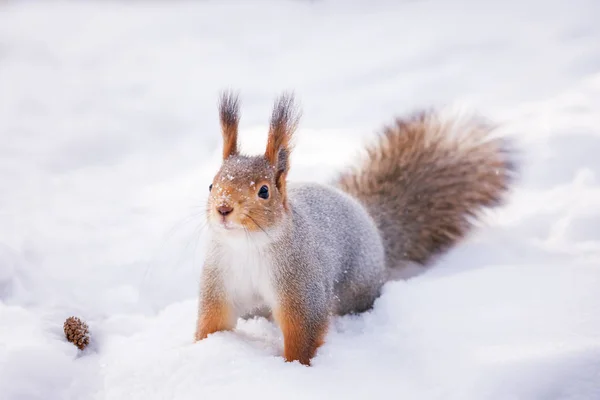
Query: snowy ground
[(109, 138)]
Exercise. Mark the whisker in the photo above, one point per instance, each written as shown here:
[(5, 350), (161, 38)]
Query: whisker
[(165, 237), (199, 236), (195, 233), (183, 221), (257, 224), (246, 234)]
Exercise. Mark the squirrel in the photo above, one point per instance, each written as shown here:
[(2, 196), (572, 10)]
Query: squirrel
[(300, 253)]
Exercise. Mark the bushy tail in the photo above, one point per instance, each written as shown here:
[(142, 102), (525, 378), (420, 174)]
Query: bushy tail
[(426, 180)]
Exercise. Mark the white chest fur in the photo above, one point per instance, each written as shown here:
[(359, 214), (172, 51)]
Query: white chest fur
[(247, 273)]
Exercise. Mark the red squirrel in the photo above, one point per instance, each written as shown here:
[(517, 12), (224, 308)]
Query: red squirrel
[(303, 252)]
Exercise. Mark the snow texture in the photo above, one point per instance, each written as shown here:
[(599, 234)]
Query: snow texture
[(109, 139)]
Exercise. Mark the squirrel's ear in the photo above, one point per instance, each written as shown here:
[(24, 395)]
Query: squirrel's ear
[(284, 122), (230, 117)]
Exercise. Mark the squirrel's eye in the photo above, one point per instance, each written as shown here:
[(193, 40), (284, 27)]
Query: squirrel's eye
[(263, 192), (210, 187)]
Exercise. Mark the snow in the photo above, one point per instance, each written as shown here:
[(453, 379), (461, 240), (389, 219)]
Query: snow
[(109, 142)]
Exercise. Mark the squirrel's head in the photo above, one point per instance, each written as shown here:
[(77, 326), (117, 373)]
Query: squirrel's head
[(248, 193)]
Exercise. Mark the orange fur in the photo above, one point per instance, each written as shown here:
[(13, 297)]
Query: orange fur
[(250, 211), (301, 338), (215, 315), (229, 116)]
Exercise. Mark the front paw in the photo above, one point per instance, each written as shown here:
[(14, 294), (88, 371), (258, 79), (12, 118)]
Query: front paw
[(300, 339), (198, 336), (216, 316)]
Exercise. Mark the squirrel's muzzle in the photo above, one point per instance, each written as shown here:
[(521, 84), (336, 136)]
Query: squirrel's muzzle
[(224, 210)]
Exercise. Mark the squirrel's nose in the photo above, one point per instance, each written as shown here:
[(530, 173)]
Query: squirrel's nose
[(224, 210)]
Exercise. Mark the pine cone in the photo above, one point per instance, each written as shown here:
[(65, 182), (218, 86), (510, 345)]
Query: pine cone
[(76, 332)]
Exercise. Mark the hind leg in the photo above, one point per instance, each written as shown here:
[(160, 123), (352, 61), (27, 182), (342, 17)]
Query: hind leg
[(357, 289)]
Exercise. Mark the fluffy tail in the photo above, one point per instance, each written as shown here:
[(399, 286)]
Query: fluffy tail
[(427, 180)]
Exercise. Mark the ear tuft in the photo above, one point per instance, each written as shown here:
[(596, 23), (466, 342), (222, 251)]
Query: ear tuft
[(284, 122), (230, 118)]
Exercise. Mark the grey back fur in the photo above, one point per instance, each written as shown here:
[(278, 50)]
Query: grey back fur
[(342, 242)]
